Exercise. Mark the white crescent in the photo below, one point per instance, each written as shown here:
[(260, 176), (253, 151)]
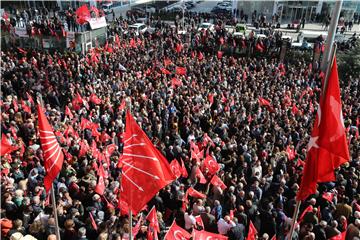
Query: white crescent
[(178, 235)]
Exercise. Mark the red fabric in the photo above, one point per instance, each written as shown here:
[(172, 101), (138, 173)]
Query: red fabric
[(165, 71), (122, 105), (200, 175), (207, 139), (199, 221), (290, 152), (259, 47), (184, 172), (264, 102), (77, 101), (95, 10), (117, 40), (328, 196), (328, 147), (200, 56), (294, 109), (84, 124), (175, 82), (22, 50), (100, 187), (177, 233), (68, 112), (167, 62), (220, 54), (30, 99), (25, 107), (308, 209), (6, 147), (132, 43), (216, 181), (178, 48), (82, 14), (136, 229), (93, 223), (15, 104), (152, 218), (176, 168), (252, 232), (203, 235), (193, 193), (145, 169), (211, 164), (211, 98), (180, 70), (53, 155), (274, 237), (94, 99)]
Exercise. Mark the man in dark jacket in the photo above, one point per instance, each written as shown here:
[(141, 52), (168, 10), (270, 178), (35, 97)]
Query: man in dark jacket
[(236, 232)]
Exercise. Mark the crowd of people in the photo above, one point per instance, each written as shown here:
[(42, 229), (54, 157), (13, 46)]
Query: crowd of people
[(213, 106)]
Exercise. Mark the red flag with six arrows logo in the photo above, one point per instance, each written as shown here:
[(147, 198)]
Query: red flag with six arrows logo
[(53, 155), (145, 170)]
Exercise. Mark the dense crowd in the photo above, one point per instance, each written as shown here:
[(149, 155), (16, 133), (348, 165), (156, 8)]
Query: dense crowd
[(214, 106)]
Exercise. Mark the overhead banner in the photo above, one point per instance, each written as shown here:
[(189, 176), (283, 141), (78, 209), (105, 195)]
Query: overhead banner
[(96, 23), (21, 32)]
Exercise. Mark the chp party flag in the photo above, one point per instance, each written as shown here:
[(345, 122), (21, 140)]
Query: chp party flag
[(145, 170), (328, 146), (53, 155)]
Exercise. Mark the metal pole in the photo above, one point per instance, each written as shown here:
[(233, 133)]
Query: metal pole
[(328, 70), (295, 216), (131, 227), (331, 35), (183, 19), (57, 231)]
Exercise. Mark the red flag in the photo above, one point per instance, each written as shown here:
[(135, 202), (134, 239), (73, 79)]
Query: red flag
[(200, 175), (25, 107), (252, 232), (84, 124), (152, 218), (178, 48), (274, 237), (290, 152), (122, 105), (53, 155), (165, 71), (22, 50), (200, 56), (136, 229), (193, 193), (264, 102), (145, 169), (211, 164), (82, 14), (100, 187), (167, 62), (184, 172), (211, 98), (259, 47), (180, 70), (77, 101), (294, 109), (308, 209), (68, 112), (94, 99), (357, 206), (132, 43), (207, 139), (199, 221), (15, 104), (175, 82), (328, 147), (177, 233), (216, 181), (203, 235), (328, 196), (175, 168), (220, 54), (93, 223), (117, 40), (6, 147), (30, 98)]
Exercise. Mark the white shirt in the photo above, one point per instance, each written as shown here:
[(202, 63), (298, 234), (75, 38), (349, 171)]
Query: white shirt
[(224, 227), (190, 221)]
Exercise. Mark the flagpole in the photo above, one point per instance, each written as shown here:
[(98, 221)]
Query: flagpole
[(331, 35), (328, 70), (295, 216), (128, 103), (53, 200)]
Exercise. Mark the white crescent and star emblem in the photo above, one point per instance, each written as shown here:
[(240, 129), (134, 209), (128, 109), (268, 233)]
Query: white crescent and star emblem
[(178, 235)]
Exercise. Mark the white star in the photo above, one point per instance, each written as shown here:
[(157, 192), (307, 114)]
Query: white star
[(312, 143)]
